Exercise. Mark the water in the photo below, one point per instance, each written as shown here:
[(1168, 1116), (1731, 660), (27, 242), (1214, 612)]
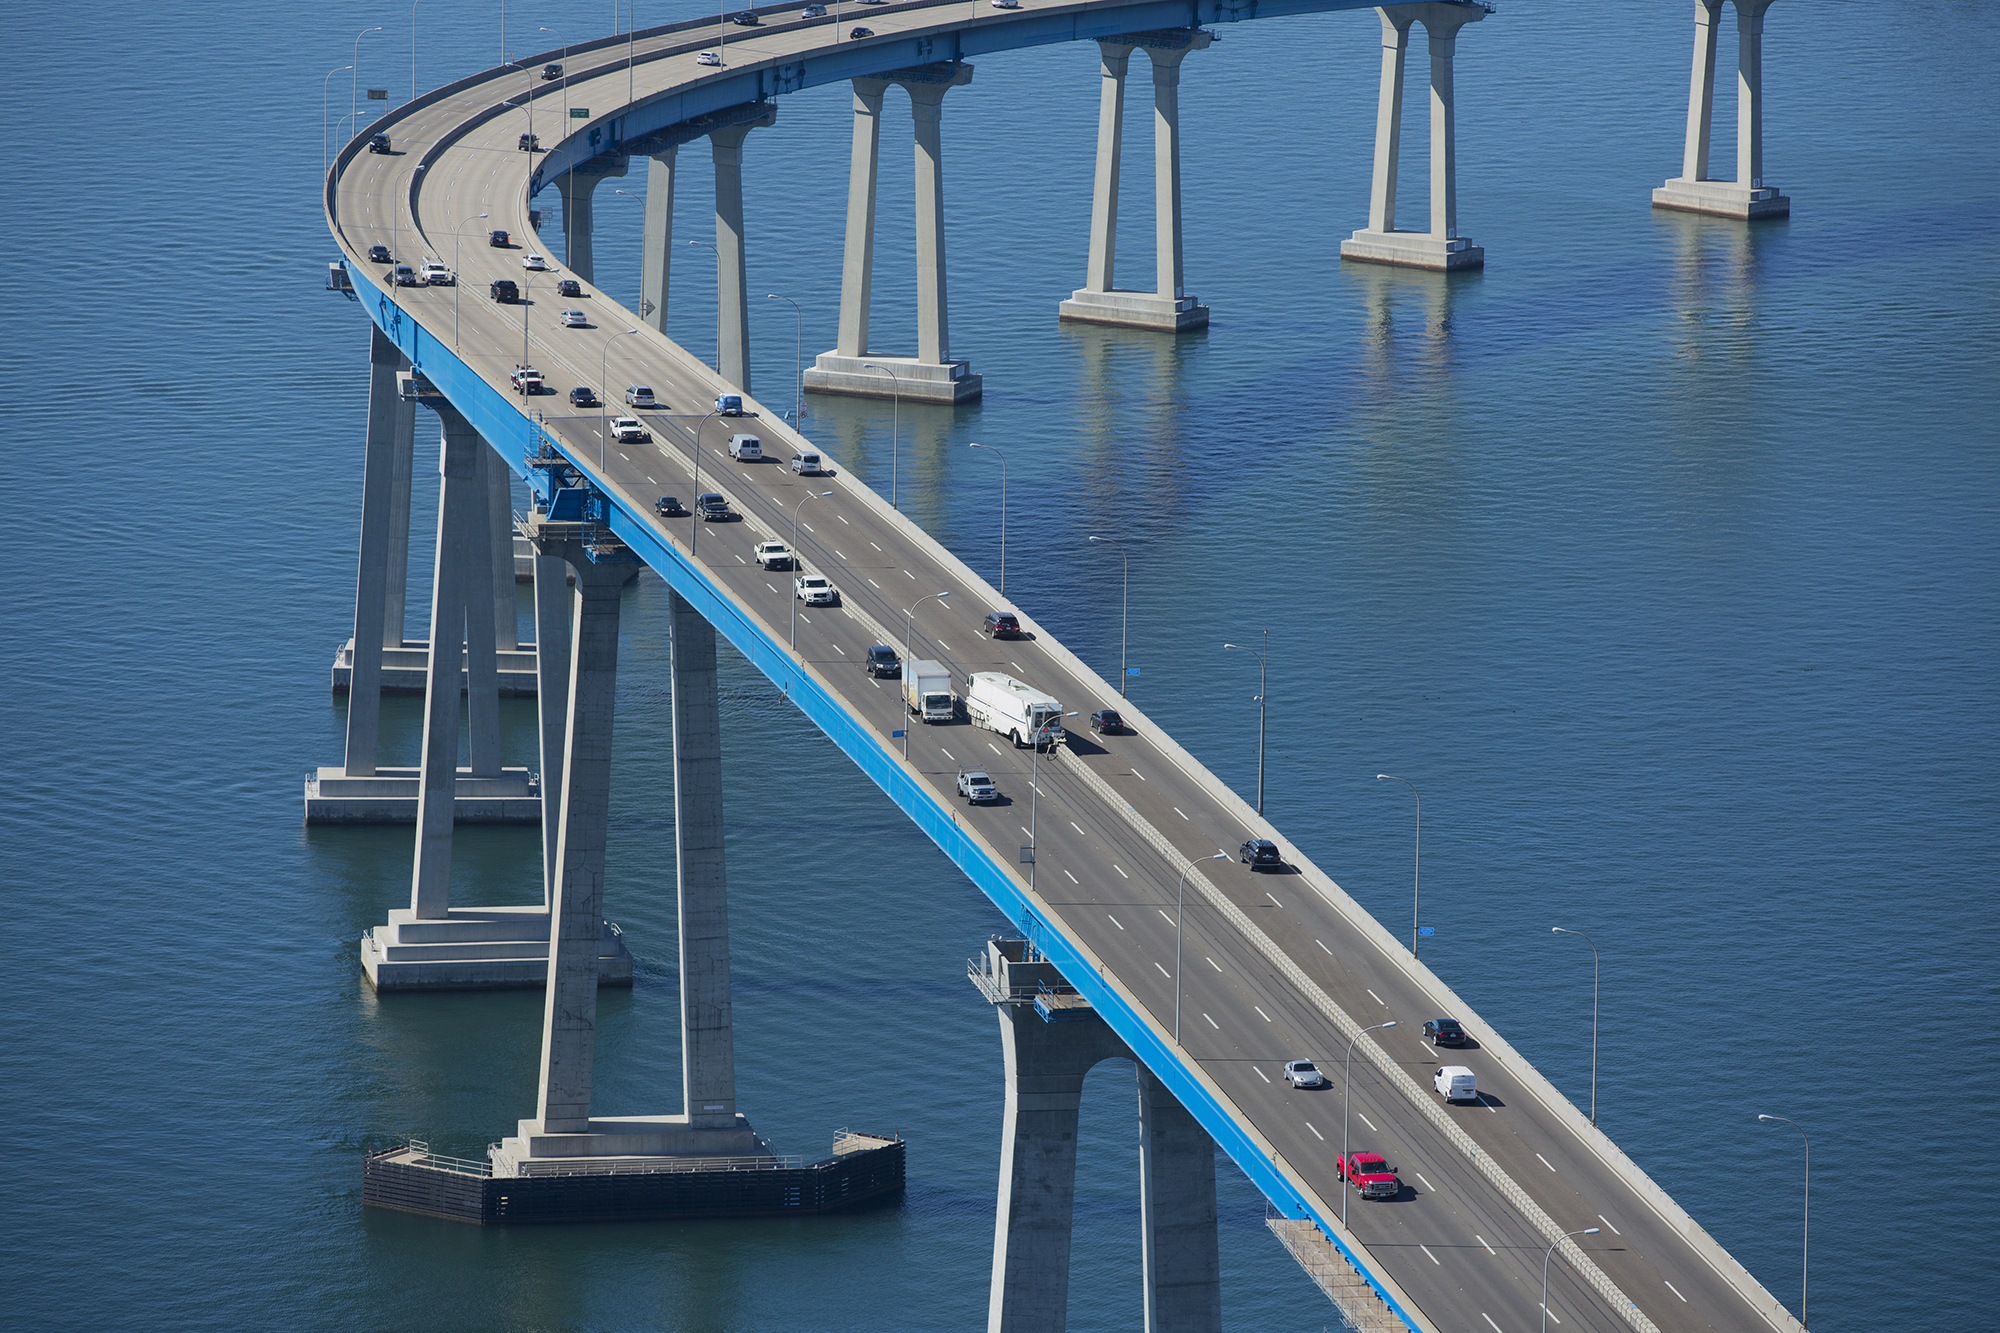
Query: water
[(1661, 557)]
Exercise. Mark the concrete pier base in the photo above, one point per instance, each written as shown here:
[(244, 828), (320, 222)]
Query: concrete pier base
[(1723, 199), (1413, 249), (406, 669), (948, 382), (1135, 310), (477, 948), (389, 796), (621, 1143)]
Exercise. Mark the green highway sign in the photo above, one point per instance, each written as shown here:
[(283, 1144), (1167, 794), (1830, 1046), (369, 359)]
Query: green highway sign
[(579, 113)]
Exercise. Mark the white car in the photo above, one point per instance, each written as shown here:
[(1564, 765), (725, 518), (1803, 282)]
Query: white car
[(1006, 4), (775, 555), (575, 319), (435, 274), (814, 590), (627, 430), (535, 264), (1304, 1074), (1455, 1083), (708, 58), (638, 395)]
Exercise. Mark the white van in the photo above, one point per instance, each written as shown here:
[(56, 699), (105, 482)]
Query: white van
[(1456, 1084), (808, 465), (746, 448)]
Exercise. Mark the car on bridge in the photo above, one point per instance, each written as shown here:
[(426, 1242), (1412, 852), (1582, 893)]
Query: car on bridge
[(813, 12), (504, 291), (776, 555), (551, 71), (1002, 625), (708, 58), (815, 590), (713, 507), (526, 380), (405, 276), (1303, 1074), (1444, 1031), (530, 143), (570, 287), (535, 263), (808, 465), (977, 786), (1455, 1083), (575, 319), (378, 143), (747, 19), (639, 395), (1106, 722), (1370, 1174), (379, 254), (499, 240), (858, 33), (882, 661), (581, 396), (435, 274), (628, 430), (728, 405), (1006, 4), (669, 506), (1258, 853)]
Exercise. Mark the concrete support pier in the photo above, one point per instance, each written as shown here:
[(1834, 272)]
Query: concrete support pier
[(1746, 197), (1168, 307), (656, 260), (732, 353), (577, 186), (932, 375), (1051, 1038), (563, 1129), (1381, 241)]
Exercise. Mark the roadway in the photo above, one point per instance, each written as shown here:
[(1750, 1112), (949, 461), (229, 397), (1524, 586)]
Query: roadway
[(1453, 1242)]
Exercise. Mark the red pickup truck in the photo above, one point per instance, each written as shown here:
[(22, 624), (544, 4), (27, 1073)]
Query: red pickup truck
[(1370, 1174)]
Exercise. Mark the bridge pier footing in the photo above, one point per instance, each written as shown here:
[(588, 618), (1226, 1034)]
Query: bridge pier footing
[(1747, 197), (1051, 1039)]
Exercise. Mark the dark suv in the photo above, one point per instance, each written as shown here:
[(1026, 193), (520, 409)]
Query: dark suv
[(1259, 853), (552, 71), (1444, 1031), (378, 143), (569, 287), (713, 508), (504, 291), (1106, 722), (1002, 625), (499, 240), (882, 661)]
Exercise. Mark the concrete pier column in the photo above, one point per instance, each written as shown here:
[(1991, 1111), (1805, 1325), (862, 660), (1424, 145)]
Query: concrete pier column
[(460, 544), (1168, 307), (1747, 197), (552, 665), (656, 264), (933, 309), (708, 1053), (1182, 1257), (500, 528), (1114, 59), (576, 908), (577, 187), (732, 353), (1389, 119), (371, 582), (482, 661), (1381, 241), (857, 270)]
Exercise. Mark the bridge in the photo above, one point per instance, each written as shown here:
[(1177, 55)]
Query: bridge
[(1153, 942)]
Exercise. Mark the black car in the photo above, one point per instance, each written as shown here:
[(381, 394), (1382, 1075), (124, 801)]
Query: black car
[(668, 506), (882, 661), (859, 33), (531, 143), (1106, 722), (504, 291), (569, 287), (552, 70), (378, 254), (499, 240), (746, 19), (1444, 1032), (1259, 852), (1002, 625), (581, 396), (378, 143), (713, 508)]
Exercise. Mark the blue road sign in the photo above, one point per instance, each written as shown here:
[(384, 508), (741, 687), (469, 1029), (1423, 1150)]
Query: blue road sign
[(1427, 930), (1131, 671), (899, 734)]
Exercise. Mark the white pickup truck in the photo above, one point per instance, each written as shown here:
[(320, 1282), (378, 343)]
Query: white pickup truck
[(435, 274), (1014, 709), (775, 555), (527, 380)]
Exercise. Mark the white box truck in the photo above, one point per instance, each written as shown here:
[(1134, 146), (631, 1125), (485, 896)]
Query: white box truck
[(927, 690), (1018, 711)]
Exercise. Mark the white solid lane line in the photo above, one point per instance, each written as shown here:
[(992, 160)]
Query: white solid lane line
[(1316, 1134), (1675, 1290), (1427, 1185), (1323, 949), (1427, 1254), (1370, 1123), (1482, 1240), (1260, 1013), (1607, 1222), (1489, 1321), (1261, 1074), (1378, 999), (1212, 1023), (1115, 921), (1544, 1161)]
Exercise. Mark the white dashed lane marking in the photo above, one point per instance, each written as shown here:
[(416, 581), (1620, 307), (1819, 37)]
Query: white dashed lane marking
[(1316, 1134), (1427, 1185), (1260, 1013), (1212, 1023), (1115, 921), (1427, 1254), (1072, 878), (1182, 813), (1120, 869), (1163, 971), (1163, 915), (1543, 1160), (1482, 1240), (1378, 999), (1489, 1321), (1370, 1123), (1261, 1074), (1323, 949), (1274, 902), (1212, 963), (1607, 1222), (1675, 1290)]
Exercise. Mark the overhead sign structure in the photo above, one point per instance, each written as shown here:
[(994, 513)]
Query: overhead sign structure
[(378, 94), (579, 113)]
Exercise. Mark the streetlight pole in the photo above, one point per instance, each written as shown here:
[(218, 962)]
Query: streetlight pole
[(710, 246), (413, 50), (1587, 1231), (1124, 610), (1180, 899), (565, 75), (1346, 1083), (456, 237), (895, 427), (1805, 1241), (354, 90), (1564, 930), (1003, 515), (799, 564), (910, 619), (604, 399), (798, 360), (1263, 682), (1416, 874), (695, 540), (325, 85)]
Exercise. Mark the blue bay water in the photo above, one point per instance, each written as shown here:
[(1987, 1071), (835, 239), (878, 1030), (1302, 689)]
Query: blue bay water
[(1661, 557)]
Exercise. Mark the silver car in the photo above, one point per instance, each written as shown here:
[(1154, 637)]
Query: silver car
[(1304, 1074)]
